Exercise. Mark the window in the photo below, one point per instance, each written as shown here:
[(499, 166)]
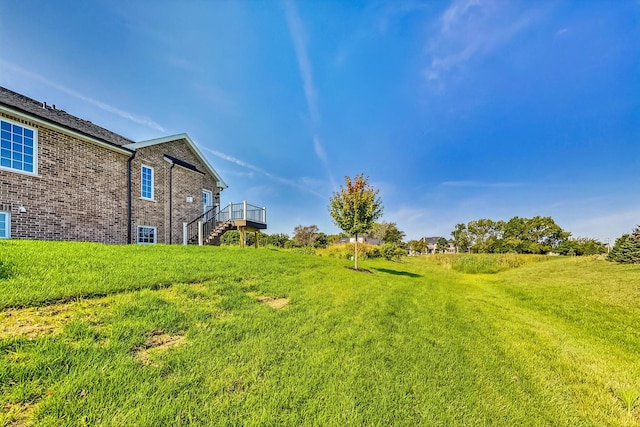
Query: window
[(18, 147), (146, 234), (5, 225), (146, 182)]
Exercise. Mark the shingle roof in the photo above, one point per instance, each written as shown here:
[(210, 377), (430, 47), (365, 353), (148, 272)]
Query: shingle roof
[(59, 117)]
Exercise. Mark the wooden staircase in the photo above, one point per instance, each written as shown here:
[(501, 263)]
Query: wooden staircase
[(218, 231)]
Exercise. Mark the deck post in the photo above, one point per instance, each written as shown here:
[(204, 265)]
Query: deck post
[(231, 211), (184, 234), (199, 233), (244, 210), (264, 215)]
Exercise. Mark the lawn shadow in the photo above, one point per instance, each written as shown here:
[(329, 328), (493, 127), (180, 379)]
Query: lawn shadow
[(398, 273)]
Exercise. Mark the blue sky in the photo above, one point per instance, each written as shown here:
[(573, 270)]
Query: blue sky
[(457, 110)]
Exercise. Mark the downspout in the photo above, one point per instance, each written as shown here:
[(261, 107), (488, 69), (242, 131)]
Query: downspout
[(171, 202), (129, 215)]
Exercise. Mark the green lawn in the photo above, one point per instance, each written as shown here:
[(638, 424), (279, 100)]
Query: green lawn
[(170, 335)]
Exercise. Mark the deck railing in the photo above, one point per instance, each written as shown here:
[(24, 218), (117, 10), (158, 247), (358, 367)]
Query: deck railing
[(214, 216), (242, 211)]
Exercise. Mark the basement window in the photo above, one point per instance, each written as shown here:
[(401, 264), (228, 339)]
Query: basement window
[(5, 225), (146, 234), (18, 147)]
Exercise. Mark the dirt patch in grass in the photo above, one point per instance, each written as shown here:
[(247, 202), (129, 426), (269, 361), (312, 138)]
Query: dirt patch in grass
[(17, 414), (36, 321), (158, 342), (274, 302)]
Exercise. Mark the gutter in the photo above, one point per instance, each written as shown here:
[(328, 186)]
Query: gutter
[(171, 202), (129, 215)]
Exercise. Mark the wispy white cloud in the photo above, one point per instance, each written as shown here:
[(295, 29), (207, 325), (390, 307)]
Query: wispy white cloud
[(298, 36), (471, 29), (301, 184), (141, 120)]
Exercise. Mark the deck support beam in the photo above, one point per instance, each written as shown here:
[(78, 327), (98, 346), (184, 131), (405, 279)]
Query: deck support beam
[(243, 234)]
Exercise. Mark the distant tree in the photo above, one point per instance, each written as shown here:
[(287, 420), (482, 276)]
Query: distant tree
[(321, 241), (581, 246), (537, 235), (387, 232), (355, 208), (418, 246), (230, 238), (460, 238), (441, 245), (482, 233), (626, 250), (305, 235), (278, 239)]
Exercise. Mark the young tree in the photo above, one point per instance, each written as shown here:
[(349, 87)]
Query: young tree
[(355, 208)]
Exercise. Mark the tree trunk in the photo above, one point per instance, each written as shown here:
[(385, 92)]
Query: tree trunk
[(356, 258)]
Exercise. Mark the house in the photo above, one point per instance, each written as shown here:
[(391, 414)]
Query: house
[(65, 178), (432, 244), (361, 239)]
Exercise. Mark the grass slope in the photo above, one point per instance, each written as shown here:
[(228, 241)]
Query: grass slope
[(157, 335)]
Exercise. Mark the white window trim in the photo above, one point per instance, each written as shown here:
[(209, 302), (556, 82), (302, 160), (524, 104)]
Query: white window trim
[(155, 235), (153, 178), (35, 149), (7, 225)]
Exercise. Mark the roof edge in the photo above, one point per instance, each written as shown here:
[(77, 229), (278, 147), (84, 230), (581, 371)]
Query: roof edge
[(190, 143), (25, 115)]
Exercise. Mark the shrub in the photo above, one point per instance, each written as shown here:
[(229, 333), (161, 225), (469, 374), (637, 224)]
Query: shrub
[(346, 250), (391, 251)]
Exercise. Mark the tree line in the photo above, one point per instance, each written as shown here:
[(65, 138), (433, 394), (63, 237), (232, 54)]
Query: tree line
[(537, 235), (356, 207)]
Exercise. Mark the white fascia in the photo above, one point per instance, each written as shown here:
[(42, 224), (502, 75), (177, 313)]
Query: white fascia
[(191, 145), (34, 119)]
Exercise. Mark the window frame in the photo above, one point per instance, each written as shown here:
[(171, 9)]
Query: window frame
[(142, 184), (12, 143), (7, 225), (155, 235)]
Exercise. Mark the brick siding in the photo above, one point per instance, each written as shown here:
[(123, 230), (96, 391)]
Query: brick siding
[(80, 191), (184, 183), (77, 194)]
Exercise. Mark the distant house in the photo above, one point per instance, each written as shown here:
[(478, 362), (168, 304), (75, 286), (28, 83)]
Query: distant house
[(65, 178), (362, 239), (432, 243)]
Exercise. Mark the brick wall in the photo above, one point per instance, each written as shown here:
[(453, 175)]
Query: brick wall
[(79, 193), (171, 185)]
